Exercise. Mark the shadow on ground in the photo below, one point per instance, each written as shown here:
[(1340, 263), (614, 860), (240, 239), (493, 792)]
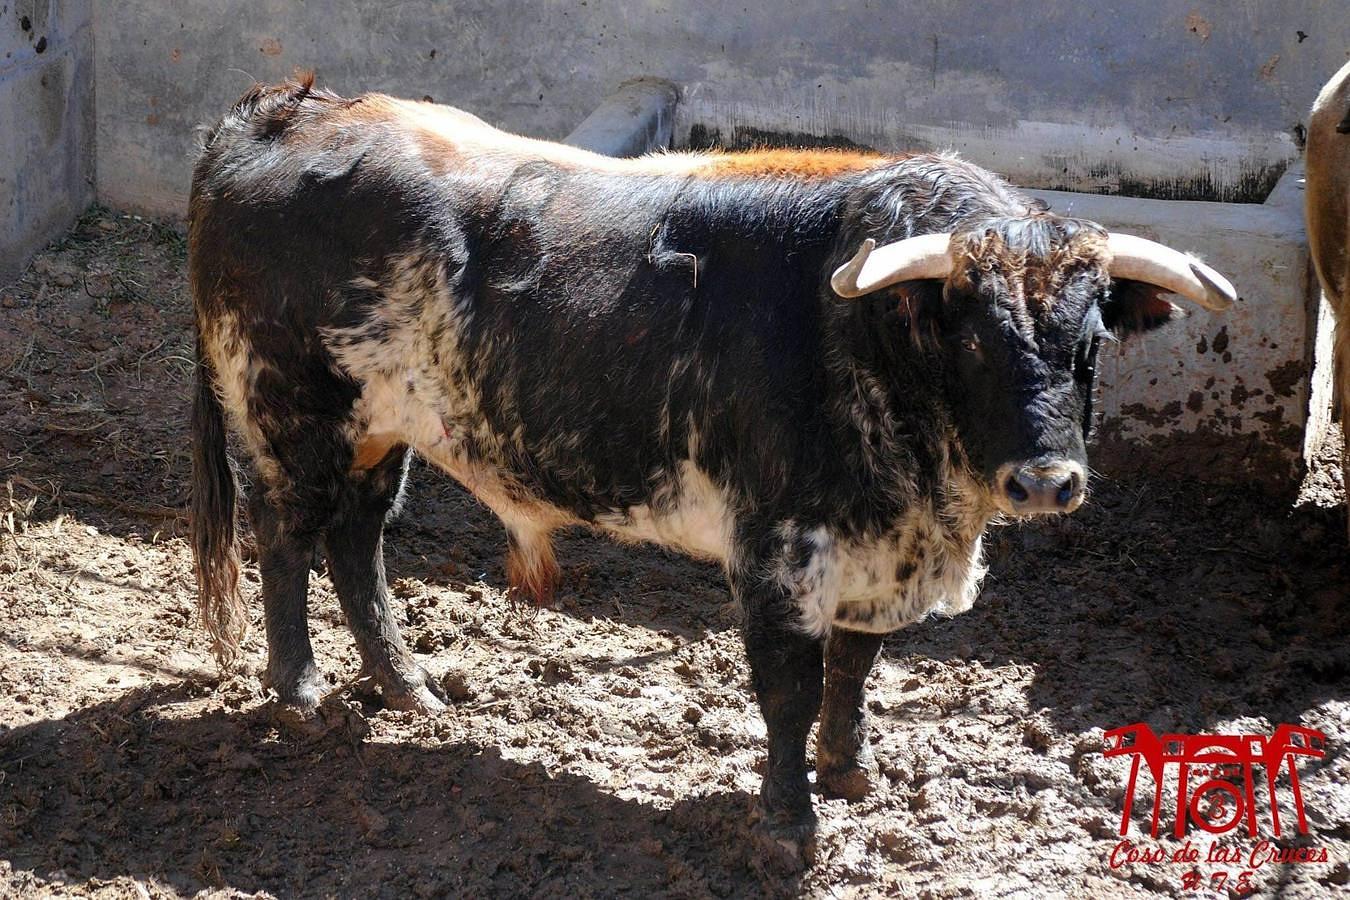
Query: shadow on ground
[(120, 788), (1177, 609)]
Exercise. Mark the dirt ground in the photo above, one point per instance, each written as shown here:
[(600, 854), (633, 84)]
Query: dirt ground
[(607, 746)]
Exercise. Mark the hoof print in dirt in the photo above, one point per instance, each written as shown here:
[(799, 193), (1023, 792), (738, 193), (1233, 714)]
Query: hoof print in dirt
[(335, 717)]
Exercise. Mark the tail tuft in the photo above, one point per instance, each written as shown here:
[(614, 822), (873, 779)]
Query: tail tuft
[(215, 544)]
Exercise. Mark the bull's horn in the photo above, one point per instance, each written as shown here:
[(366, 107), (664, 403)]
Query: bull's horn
[(1143, 260), (873, 268)]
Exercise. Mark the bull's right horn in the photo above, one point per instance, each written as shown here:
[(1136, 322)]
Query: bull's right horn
[(873, 268)]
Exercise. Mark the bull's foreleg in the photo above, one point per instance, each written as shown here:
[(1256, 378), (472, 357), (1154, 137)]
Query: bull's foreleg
[(785, 667), (356, 564), (844, 766), (284, 555)]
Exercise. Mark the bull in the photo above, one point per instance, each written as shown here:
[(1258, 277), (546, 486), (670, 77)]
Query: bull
[(1327, 201), (826, 371)]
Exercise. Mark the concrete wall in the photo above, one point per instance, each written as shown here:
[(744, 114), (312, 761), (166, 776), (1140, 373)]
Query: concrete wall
[(46, 123), (1196, 99), (1200, 100), (1220, 396)]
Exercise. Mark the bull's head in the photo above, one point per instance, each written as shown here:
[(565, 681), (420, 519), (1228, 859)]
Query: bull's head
[(1018, 307)]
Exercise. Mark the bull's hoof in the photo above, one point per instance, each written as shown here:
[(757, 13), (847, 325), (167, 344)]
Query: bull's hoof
[(303, 721), (300, 693), (784, 845), (784, 850), (418, 699), (333, 716), (851, 783), (411, 693)]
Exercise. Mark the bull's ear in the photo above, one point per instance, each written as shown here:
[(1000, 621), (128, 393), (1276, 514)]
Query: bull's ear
[(1136, 307), (917, 303)]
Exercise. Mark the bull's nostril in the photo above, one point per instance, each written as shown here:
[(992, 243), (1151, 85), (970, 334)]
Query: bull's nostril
[(1068, 489), (1016, 492)]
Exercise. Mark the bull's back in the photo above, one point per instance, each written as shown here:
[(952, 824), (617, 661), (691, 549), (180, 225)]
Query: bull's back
[(589, 324)]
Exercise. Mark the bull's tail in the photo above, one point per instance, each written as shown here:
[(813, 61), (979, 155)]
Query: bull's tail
[(215, 543)]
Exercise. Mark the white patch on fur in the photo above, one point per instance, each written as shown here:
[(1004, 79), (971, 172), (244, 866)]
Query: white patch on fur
[(236, 369), (929, 563), (816, 585), (698, 521), (946, 577), (406, 360), (934, 565)]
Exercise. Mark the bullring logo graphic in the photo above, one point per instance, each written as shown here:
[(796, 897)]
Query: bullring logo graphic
[(1216, 791), (1215, 804)]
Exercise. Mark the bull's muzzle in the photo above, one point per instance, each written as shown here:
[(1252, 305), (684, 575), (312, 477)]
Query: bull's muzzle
[(1040, 488)]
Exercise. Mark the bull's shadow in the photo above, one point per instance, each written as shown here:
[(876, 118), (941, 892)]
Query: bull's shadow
[(1176, 605), (130, 787)]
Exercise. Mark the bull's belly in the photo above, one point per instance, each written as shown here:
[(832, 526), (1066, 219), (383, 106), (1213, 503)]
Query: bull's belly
[(691, 515), (877, 587), (687, 513)]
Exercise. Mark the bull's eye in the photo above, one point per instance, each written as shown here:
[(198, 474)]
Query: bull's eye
[(971, 344)]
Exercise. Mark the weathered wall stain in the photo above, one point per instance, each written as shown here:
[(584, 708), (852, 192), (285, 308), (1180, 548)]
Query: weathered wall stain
[(46, 123), (1157, 417), (746, 137), (1199, 26), (1284, 379), (1240, 394)]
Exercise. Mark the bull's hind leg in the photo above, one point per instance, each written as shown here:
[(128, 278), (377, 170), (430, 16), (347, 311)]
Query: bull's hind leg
[(844, 765), (284, 555), (356, 565)]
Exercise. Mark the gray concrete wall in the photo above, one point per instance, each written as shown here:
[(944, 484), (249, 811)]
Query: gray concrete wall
[(1199, 100), (46, 123), (1220, 396), (1196, 99)]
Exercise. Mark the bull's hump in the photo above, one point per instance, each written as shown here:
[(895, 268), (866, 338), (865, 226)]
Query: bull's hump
[(452, 133)]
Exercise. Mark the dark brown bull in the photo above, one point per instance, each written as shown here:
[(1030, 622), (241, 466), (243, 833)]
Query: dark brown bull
[(827, 372)]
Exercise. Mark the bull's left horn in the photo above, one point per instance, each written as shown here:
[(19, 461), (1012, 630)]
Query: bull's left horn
[(1143, 260), (873, 268)]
